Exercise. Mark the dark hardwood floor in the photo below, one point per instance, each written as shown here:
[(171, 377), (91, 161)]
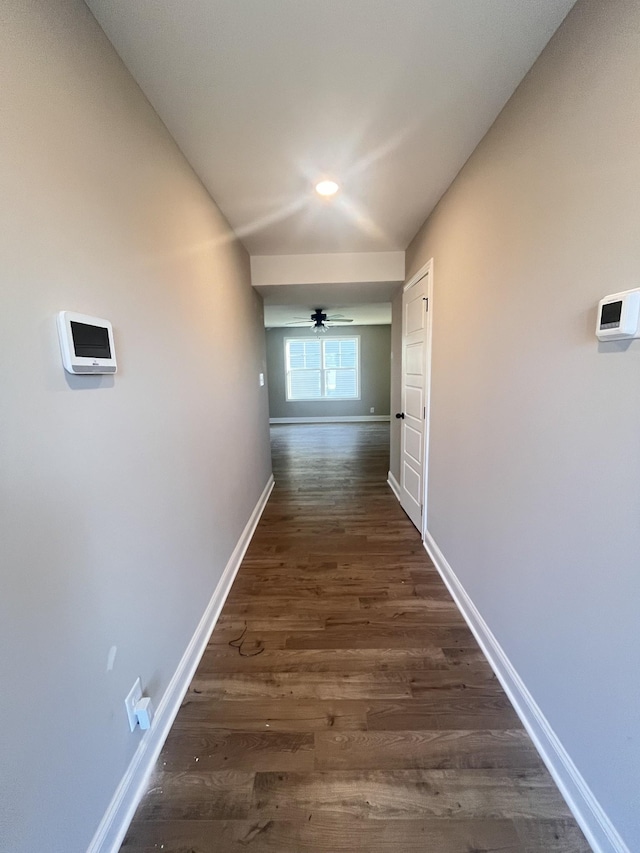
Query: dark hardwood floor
[(342, 705)]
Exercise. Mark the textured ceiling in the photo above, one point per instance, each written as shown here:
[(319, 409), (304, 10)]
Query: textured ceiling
[(265, 97)]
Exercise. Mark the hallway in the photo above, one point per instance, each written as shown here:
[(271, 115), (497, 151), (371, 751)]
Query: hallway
[(342, 705)]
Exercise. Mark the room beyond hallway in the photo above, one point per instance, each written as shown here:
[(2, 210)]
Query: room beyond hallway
[(342, 705)]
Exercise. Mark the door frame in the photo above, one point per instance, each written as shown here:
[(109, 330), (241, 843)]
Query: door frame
[(424, 271)]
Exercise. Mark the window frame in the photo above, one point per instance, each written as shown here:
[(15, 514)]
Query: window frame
[(322, 369)]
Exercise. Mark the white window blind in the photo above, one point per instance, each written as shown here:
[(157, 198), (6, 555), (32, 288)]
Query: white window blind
[(322, 368)]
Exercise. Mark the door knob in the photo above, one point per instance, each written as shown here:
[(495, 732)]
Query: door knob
[(400, 415)]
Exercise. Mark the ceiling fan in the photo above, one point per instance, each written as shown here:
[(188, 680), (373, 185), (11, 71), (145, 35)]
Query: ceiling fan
[(319, 321)]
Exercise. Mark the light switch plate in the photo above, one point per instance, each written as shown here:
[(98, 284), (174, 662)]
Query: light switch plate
[(133, 697)]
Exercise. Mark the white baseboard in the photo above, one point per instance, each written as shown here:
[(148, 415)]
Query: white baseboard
[(337, 419), (116, 820), (598, 829), (394, 484)]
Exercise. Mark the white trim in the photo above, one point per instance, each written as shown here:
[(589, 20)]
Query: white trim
[(394, 485), (115, 822), (597, 827), (331, 419)]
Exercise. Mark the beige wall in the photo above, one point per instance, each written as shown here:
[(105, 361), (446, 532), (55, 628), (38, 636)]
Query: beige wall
[(375, 368), (121, 498), (344, 268), (534, 490)]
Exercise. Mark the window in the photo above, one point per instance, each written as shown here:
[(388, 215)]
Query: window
[(322, 368)]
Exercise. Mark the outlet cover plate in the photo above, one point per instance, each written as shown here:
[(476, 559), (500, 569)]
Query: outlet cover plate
[(133, 697)]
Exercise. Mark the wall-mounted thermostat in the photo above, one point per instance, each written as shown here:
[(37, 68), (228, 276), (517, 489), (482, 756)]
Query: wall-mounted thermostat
[(86, 343), (619, 316)]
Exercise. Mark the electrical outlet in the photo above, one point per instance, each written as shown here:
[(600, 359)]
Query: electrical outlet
[(372, 409), (133, 697)]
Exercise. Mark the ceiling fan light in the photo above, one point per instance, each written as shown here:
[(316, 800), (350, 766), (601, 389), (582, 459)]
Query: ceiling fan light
[(327, 188)]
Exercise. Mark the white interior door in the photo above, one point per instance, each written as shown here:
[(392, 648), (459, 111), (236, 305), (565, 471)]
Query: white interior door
[(415, 351)]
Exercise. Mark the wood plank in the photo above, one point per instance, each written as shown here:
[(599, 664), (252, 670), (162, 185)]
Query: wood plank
[(372, 637), (464, 656), (306, 685), (317, 588), (429, 591), (426, 607), (407, 794), (551, 836), (437, 750), (271, 622), (479, 675), (336, 575), (394, 617), (197, 795), (324, 834), (303, 715), (248, 606), (189, 748), (224, 659), (444, 709)]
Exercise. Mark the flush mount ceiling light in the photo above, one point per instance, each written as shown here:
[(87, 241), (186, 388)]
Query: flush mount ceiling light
[(327, 188)]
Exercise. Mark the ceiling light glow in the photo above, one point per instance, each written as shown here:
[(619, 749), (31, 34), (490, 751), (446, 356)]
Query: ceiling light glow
[(327, 188)]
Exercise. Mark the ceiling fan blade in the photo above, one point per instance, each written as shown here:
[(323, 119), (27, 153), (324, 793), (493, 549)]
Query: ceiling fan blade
[(334, 320), (335, 316), (300, 323)]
